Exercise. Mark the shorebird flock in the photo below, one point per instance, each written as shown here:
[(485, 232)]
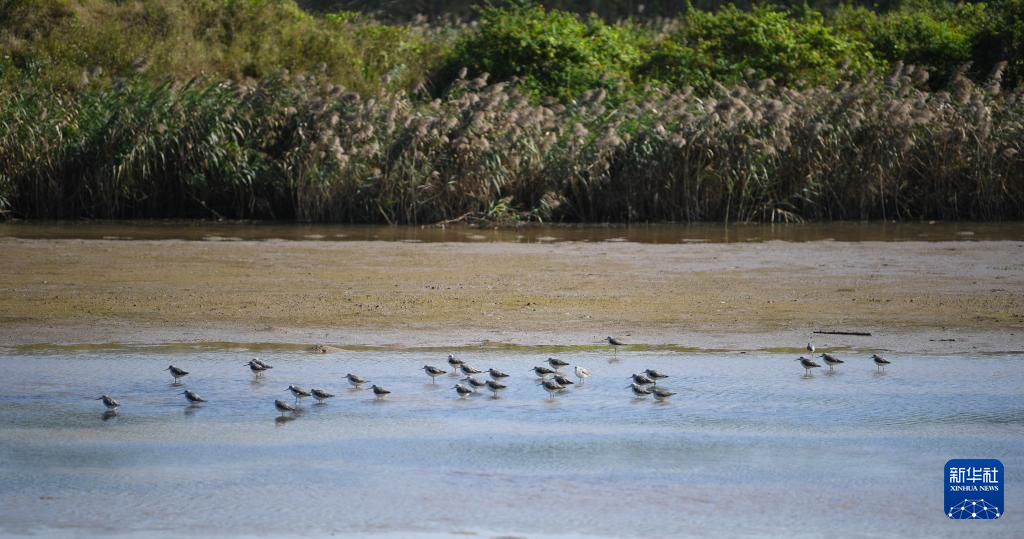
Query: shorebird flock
[(833, 361), (549, 377)]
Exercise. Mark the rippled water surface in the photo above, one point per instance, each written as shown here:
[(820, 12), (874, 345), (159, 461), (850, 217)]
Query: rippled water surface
[(749, 446), (639, 233)]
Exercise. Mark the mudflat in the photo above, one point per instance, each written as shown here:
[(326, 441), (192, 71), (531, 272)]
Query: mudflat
[(941, 297)]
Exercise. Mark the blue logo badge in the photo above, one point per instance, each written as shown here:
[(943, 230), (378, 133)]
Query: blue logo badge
[(974, 488)]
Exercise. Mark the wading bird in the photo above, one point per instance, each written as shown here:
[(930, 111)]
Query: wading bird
[(880, 361), (467, 370), (641, 379), (541, 372), (661, 394), (562, 380), (455, 364), (320, 395), (433, 372), (495, 387), (639, 391), (258, 367), (831, 361), (557, 363), (655, 375), (109, 402), (614, 343), (496, 374), (552, 387), (298, 393), (581, 373), (193, 397), (177, 373), (808, 364), (283, 406), (477, 384)]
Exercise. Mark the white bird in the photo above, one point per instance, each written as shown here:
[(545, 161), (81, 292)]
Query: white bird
[(581, 373), (810, 347)]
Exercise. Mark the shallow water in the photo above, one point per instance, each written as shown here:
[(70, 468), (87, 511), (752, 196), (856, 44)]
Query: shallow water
[(656, 233), (749, 446)]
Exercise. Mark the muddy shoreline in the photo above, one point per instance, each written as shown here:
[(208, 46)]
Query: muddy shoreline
[(912, 296)]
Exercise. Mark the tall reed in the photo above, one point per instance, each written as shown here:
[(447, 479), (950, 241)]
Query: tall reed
[(296, 147)]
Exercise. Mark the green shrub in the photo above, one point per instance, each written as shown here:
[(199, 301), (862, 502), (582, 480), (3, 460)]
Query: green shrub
[(65, 44), (554, 52), (765, 42), (942, 36)]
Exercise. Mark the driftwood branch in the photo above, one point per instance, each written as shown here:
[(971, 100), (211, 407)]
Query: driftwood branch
[(855, 333)]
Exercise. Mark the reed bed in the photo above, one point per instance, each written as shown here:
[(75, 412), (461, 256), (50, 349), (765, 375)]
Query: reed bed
[(296, 147)]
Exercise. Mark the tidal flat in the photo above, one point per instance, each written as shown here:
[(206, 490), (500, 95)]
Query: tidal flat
[(917, 288)]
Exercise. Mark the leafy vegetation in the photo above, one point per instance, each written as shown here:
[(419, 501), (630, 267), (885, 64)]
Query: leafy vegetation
[(731, 44), (257, 109), (554, 53)]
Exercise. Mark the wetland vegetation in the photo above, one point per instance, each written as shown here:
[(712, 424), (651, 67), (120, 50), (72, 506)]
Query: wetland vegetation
[(264, 110)]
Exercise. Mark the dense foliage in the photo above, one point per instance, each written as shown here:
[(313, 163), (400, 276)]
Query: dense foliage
[(259, 109), (294, 147)]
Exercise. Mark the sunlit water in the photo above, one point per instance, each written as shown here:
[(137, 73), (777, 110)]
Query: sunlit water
[(749, 446)]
